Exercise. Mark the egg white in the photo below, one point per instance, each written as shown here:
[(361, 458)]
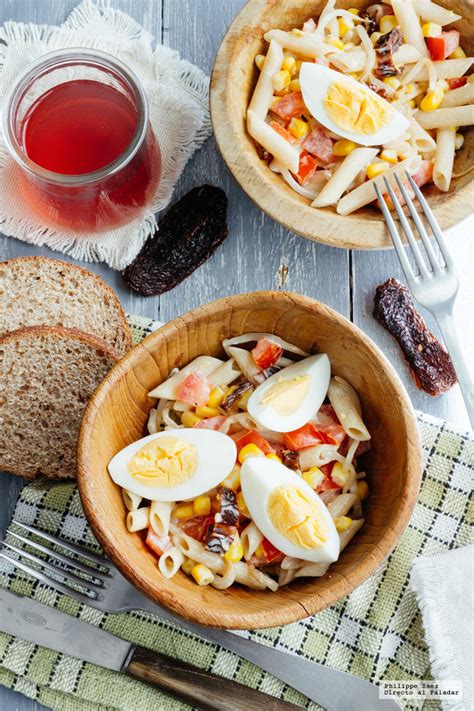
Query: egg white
[(258, 478), (319, 368), (315, 80), (216, 455)]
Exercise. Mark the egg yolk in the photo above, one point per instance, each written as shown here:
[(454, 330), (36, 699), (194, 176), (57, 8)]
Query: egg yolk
[(167, 461), (353, 109), (296, 517), (285, 396)]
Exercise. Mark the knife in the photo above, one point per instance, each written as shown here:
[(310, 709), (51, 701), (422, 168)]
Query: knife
[(34, 622)]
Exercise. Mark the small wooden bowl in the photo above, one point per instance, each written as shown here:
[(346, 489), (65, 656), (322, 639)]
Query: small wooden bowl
[(233, 80), (118, 413)]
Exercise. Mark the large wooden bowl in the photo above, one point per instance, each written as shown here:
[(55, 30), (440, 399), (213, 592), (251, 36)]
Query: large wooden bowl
[(118, 412), (233, 80)]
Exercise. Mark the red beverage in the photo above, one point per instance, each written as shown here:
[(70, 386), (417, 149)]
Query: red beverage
[(90, 159)]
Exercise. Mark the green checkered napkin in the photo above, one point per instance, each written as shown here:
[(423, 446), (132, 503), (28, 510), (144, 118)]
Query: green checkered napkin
[(376, 632)]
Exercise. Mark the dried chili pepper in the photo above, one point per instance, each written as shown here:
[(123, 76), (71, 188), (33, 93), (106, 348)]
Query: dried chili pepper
[(385, 48), (430, 365), (186, 236)]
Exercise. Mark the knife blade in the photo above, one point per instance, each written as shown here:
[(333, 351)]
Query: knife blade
[(48, 627)]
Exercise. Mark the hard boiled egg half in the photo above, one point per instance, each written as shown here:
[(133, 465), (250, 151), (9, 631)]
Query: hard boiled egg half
[(288, 512), (288, 399), (174, 465), (348, 107)]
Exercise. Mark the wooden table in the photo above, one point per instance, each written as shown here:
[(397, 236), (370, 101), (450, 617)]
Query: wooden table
[(258, 254)]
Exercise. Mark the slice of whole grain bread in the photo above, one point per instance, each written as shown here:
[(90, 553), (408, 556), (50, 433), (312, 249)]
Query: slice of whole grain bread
[(41, 291), (47, 376)]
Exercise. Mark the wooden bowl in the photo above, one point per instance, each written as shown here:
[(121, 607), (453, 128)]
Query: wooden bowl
[(118, 413), (233, 80)]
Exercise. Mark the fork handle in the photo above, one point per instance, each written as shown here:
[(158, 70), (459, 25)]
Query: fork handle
[(198, 687), (446, 324)]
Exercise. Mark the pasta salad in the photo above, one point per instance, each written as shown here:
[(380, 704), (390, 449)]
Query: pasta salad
[(249, 473), (355, 97)]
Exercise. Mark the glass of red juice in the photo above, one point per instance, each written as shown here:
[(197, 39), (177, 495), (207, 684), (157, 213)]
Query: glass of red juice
[(76, 122)]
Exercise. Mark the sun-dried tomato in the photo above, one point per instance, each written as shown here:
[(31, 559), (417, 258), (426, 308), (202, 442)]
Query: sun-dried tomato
[(290, 459), (186, 236), (385, 48), (430, 365), (235, 395)]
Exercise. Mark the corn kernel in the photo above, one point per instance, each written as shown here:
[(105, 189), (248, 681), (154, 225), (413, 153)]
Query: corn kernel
[(289, 64), (335, 42), (354, 11), (389, 155), (189, 419), (393, 82), (298, 128), (259, 552), (344, 24), (202, 575), (354, 75), (295, 85), (412, 103), (375, 169), (409, 88), (432, 100), (232, 480), (362, 490), (202, 505), (235, 551), (459, 141), (343, 147), (339, 475), (242, 401), (281, 80), (206, 411), (216, 396), (458, 53), (387, 23), (431, 29), (313, 477), (249, 450), (343, 523), (188, 565), (241, 505), (375, 36), (273, 456), (183, 511), (259, 60)]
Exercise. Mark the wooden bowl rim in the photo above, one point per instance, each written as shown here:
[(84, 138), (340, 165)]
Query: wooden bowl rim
[(320, 225), (310, 603)]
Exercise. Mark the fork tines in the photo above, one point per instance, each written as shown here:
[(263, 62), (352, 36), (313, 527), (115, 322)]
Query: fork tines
[(81, 580)]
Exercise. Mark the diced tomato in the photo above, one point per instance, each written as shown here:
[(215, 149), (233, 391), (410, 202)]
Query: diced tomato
[(270, 552), (443, 45), (197, 526), (252, 437), (282, 131), (158, 544), (307, 436), (306, 168), (310, 25), (195, 389), (266, 353), (289, 106), (456, 83), (211, 423), (319, 145), (327, 484)]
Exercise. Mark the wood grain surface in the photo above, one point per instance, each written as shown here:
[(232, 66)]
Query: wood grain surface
[(259, 253)]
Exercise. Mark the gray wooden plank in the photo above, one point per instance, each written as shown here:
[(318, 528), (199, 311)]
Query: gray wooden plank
[(257, 248), (372, 269)]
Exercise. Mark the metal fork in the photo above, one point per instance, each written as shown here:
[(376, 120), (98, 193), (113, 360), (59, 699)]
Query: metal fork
[(436, 285), (96, 582)]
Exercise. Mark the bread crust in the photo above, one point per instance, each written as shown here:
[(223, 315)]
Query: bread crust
[(21, 334), (38, 260)]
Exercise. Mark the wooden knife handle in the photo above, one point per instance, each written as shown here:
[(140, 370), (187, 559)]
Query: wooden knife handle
[(198, 687)]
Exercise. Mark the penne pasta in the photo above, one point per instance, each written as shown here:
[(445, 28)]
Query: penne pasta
[(365, 193), (170, 562), (459, 97), (138, 519), (132, 501), (431, 12), (448, 69), (250, 538), (409, 23), (346, 404), (222, 582), (341, 505), (406, 54), (445, 118), (225, 374), (444, 158), (263, 93), (160, 514), (421, 139), (318, 455), (305, 44), (356, 161), (284, 152)]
